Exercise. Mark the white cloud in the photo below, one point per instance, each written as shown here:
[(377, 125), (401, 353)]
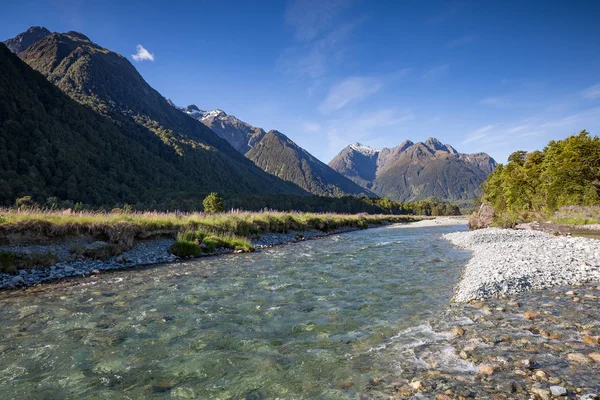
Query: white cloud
[(435, 72), (479, 134), (349, 90), (593, 92), (142, 54)]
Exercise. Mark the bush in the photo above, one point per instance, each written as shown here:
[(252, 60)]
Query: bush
[(25, 202), (213, 203), (183, 248)]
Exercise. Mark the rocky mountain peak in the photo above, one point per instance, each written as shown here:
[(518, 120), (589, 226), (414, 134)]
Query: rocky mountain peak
[(363, 149), (25, 39), (192, 108), (214, 114), (435, 144)]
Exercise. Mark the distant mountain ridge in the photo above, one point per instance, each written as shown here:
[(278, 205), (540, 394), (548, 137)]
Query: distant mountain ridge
[(241, 135), (415, 171), (277, 154)]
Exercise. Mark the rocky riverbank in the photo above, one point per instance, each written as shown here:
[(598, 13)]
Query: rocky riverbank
[(511, 261), (142, 253), (525, 324), (537, 345)]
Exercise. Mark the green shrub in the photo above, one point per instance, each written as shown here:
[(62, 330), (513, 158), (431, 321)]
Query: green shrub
[(25, 202), (183, 248)]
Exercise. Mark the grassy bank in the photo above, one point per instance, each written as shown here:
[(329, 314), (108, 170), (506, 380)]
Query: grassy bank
[(195, 232)]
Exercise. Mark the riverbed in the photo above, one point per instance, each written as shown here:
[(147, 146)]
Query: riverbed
[(307, 320)]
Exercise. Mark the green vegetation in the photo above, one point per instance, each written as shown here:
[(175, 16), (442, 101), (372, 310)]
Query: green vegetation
[(534, 185), (123, 228), (577, 215), (10, 263), (196, 242), (213, 203)]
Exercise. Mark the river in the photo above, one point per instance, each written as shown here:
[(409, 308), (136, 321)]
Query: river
[(307, 320)]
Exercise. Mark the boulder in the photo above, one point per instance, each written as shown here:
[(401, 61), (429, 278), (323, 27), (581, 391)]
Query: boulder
[(483, 217)]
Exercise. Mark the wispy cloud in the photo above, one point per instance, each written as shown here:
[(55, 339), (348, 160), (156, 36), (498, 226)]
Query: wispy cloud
[(142, 54), (509, 101), (593, 92), (322, 39), (311, 18), (460, 42), (311, 127), (479, 134), (349, 90), (435, 72), (494, 101)]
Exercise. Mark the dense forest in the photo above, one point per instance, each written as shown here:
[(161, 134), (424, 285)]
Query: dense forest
[(565, 173)]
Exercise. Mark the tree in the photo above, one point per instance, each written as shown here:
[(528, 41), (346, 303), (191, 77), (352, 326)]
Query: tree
[(25, 202), (213, 203)]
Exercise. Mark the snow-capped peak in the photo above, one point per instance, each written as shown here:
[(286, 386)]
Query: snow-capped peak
[(361, 148), (214, 114)]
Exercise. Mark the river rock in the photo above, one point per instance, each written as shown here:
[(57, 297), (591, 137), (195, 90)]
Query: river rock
[(578, 357), (416, 385), (545, 394), (17, 280), (487, 369), (558, 391)]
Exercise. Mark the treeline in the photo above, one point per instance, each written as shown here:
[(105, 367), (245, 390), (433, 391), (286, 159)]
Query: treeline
[(343, 205), (566, 172), (346, 205)]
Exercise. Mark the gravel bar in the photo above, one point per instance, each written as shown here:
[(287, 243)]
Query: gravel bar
[(508, 261)]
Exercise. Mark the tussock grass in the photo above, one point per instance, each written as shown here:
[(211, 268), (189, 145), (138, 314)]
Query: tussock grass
[(196, 233), (195, 243), (121, 227)]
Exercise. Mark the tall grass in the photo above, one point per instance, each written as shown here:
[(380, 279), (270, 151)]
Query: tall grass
[(57, 223), (197, 233)]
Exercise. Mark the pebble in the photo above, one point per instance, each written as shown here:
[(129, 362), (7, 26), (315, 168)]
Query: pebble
[(558, 391), (578, 357), (543, 393)]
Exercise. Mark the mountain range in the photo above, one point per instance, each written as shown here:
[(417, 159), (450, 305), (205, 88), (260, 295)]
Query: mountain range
[(149, 150), (414, 171), (277, 154)]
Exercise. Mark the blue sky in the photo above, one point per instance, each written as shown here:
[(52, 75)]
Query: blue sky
[(482, 76)]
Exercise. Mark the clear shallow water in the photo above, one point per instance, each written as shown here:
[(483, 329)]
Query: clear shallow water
[(300, 321)]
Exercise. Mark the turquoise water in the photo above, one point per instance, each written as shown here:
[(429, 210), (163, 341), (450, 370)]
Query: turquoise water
[(290, 322)]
